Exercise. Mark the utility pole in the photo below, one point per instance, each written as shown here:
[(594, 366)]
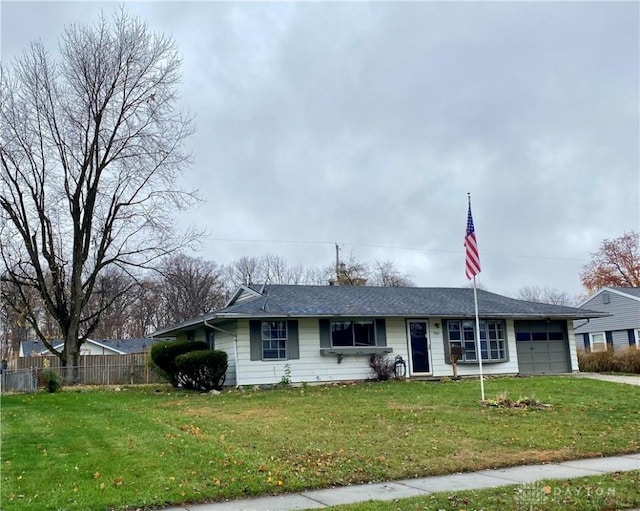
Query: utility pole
[(337, 263)]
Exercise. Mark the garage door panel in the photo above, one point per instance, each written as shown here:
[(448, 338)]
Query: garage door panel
[(558, 367), (542, 347)]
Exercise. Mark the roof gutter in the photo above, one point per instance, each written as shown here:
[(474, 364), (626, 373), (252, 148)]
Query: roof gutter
[(497, 315), (235, 346)]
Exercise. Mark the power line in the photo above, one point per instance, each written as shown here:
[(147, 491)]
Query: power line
[(394, 247)]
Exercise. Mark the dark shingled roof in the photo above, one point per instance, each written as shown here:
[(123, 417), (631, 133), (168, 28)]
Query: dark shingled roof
[(389, 301), (319, 301)]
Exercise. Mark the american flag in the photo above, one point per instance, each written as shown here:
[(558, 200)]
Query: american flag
[(472, 263)]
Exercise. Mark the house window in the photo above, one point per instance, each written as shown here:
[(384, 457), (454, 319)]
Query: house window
[(274, 340), (598, 341), (353, 333), (492, 340), (638, 338)]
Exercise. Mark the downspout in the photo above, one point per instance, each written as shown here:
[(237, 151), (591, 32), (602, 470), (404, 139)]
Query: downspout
[(583, 324), (235, 347)]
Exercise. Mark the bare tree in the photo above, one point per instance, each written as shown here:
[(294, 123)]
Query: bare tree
[(386, 274), (265, 269), (278, 271), (91, 147), (190, 287), (245, 271), (113, 287), (351, 272), (317, 276), (544, 295), (12, 317), (616, 263), (146, 309)]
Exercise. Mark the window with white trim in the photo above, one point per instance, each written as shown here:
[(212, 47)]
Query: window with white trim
[(637, 338), (598, 341), (353, 333), (492, 340), (274, 340)]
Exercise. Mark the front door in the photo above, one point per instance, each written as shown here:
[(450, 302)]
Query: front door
[(419, 346)]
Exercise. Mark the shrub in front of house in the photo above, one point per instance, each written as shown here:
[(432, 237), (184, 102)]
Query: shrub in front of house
[(629, 360), (202, 369), (610, 361), (164, 354), (382, 368)]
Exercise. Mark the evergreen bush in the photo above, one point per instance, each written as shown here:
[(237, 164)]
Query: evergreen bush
[(202, 369), (164, 355), (51, 380)]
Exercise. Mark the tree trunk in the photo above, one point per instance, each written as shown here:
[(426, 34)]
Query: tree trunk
[(71, 359)]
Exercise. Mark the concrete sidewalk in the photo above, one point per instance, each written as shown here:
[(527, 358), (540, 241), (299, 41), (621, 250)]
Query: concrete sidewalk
[(317, 499)]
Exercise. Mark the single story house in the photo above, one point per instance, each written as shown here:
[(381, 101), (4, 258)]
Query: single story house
[(328, 333), (90, 347), (620, 329)]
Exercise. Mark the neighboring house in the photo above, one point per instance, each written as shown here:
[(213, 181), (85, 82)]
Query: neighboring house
[(328, 333), (90, 347), (617, 331)]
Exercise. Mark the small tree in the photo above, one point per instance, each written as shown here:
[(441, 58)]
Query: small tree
[(615, 263)]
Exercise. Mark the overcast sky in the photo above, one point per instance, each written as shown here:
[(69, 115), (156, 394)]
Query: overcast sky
[(366, 124)]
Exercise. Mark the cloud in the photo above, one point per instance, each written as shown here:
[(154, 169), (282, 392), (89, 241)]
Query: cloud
[(367, 124)]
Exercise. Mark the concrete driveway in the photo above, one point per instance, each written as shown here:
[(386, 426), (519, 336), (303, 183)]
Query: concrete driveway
[(629, 380)]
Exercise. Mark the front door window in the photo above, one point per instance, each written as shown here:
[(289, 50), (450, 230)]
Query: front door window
[(419, 347)]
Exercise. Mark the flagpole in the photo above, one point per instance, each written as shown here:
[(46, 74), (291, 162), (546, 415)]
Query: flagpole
[(472, 265), (478, 342)]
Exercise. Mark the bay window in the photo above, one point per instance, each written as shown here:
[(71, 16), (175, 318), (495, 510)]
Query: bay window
[(461, 333)]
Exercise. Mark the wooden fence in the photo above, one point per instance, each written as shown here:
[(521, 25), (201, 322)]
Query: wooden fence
[(22, 380), (100, 369)]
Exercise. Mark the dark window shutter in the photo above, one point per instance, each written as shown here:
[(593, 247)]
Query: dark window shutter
[(632, 337), (381, 332), (325, 333), (585, 341), (255, 339), (609, 337), (293, 347)]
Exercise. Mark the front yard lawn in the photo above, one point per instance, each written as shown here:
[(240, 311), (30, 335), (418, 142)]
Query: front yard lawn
[(152, 446)]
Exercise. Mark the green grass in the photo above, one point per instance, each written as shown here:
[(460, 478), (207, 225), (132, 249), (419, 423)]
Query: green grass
[(151, 446), (595, 493)]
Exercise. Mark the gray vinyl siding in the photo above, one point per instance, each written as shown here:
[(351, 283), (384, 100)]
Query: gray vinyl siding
[(625, 310), (225, 341)]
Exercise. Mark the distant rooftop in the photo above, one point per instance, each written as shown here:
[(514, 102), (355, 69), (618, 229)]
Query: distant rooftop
[(123, 345)]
